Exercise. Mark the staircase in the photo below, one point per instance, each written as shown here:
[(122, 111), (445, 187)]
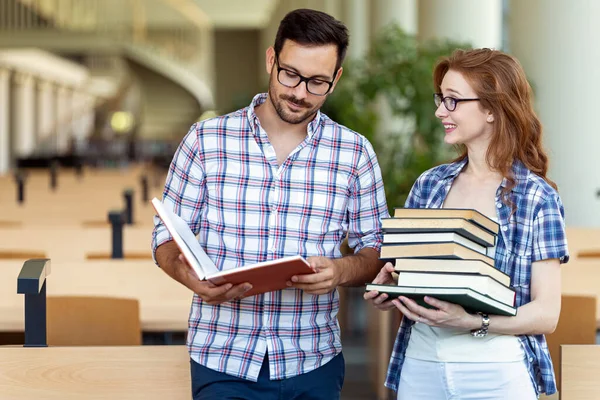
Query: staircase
[(164, 44)]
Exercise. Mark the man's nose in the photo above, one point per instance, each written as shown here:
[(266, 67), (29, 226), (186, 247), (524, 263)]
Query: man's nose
[(301, 91)]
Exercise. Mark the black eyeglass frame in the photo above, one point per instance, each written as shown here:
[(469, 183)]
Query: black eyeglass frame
[(302, 79), (442, 100)]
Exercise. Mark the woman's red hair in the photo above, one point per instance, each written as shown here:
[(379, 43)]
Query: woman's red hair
[(499, 81)]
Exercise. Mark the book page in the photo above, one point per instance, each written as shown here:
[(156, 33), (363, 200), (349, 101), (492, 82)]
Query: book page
[(186, 241)]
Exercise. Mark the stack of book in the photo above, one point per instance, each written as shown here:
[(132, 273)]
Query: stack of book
[(442, 253)]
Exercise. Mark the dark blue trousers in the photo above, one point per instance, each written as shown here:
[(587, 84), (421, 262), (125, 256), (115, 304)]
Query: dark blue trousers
[(324, 383)]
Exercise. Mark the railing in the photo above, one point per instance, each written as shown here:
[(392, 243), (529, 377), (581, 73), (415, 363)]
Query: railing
[(175, 29)]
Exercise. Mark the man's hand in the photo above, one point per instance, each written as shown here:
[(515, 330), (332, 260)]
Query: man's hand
[(326, 278), (211, 293)]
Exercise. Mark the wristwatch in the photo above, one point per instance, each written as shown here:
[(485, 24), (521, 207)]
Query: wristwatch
[(485, 323)]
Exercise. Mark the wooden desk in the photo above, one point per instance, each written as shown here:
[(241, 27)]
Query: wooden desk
[(75, 200), (95, 373), (72, 243), (580, 366), (582, 277), (164, 303), (584, 241)]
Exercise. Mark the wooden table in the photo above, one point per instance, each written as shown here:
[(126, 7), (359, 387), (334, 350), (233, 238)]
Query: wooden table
[(164, 303), (580, 369), (95, 373)]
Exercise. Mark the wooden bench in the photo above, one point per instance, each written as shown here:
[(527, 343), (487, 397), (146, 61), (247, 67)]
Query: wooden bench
[(95, 373)]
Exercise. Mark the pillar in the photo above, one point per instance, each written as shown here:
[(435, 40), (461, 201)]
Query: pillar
[(557, 47), (4, 121), (476, 22), (25, 115)]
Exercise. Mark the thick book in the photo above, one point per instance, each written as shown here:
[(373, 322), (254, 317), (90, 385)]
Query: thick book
[(467, 213), (265, 276), (449, 250), (434, 237), (479, 283), (469, 299), (456, 265), (462, 226)]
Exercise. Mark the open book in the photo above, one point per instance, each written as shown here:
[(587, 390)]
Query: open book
[(264, 276)]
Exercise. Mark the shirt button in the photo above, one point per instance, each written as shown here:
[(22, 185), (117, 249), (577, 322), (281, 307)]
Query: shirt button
[(499, 205), (505, 228)]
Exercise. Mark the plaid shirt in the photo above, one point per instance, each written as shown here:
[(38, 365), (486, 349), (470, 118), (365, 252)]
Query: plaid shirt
[(536, 231), (225, 182)]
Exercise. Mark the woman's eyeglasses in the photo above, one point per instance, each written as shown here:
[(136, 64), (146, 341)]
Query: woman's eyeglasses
[(449, 102)]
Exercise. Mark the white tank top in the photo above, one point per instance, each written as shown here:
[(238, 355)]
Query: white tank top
[(450, 345)]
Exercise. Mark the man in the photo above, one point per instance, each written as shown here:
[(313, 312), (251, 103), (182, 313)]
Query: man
[(275, 179)]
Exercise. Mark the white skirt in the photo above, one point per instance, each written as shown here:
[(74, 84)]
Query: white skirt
[(427, 380)]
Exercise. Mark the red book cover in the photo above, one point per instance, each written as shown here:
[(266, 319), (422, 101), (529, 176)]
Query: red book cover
[(265, 276)]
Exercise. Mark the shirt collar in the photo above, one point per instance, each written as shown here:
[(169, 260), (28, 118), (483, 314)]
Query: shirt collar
[(520, 174), (519, 171), (259, 99)]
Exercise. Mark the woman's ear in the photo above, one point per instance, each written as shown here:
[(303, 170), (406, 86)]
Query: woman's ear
[(490, 118)]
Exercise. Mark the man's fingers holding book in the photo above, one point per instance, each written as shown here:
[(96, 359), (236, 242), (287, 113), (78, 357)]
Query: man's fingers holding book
[(214, 295)]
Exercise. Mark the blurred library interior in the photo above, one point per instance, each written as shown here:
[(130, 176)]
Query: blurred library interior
[(96, 95)]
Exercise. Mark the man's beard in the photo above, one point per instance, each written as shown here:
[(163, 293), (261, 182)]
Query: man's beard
[(285, 115)]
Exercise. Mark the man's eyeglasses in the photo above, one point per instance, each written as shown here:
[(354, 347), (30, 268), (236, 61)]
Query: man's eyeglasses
[(291, 79), (449, 102)]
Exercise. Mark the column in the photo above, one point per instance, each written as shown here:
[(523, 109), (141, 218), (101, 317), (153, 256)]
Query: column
[(558, 49), (24, 134), (63, 128), (404, 14), (401, 12), (356, 18), (46, 111), (4, 121), (476, 22), (83, 118)]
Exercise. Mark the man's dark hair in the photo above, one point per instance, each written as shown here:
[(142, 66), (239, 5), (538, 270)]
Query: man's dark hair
[(312, 27)]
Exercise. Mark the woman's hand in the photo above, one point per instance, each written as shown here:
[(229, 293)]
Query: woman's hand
[(446, 315), (384, 277)]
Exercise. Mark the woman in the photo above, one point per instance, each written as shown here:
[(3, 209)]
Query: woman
[(484, 102)]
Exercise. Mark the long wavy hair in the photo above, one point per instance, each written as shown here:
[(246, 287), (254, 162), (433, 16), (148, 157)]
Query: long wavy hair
[(500, 82)]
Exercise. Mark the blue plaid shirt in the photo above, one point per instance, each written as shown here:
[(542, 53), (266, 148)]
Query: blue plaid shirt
[(536, 231), (245, 207)]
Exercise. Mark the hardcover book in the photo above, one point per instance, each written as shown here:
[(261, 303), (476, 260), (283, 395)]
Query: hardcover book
[(469, 299), (265, 276), (451, 266), (467, 213), (480, 283), (434, 237), (462, 226), (433, 250)]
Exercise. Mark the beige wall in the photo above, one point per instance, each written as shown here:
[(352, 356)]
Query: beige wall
[(237, 67)]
